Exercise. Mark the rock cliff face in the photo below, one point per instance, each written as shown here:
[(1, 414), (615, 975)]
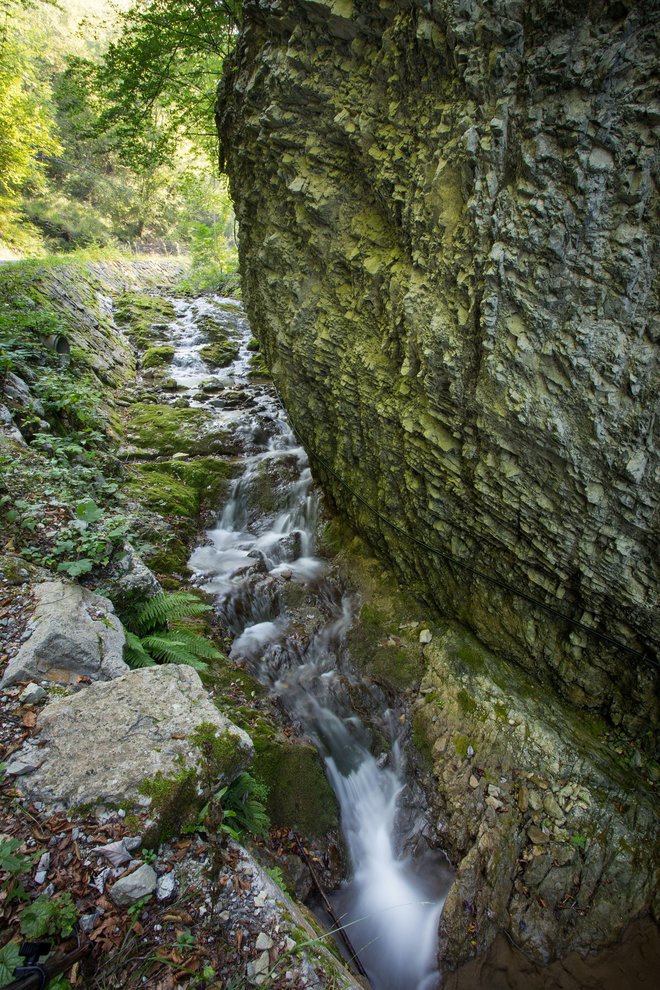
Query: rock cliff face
[(445, 212)]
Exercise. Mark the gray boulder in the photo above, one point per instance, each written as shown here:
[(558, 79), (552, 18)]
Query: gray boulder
[(100, 745), (73, 633)]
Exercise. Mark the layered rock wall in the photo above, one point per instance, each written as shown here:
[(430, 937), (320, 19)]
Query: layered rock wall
[(446, 216)]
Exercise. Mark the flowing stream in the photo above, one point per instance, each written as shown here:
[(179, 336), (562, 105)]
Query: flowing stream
[(265, 538)]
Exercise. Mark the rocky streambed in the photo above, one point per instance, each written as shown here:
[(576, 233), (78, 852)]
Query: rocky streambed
[(438, 752)]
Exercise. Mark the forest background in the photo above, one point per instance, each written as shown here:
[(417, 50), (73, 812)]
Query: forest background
[(107, 143)]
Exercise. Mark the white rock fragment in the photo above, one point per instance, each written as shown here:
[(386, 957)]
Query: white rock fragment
[(425, 636), (166, 887), (132, 888), (32, 694)]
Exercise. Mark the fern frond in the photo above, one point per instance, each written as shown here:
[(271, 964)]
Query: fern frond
[(135, 654), (163, 608), (246, 798), (166, 647), (198, 645)]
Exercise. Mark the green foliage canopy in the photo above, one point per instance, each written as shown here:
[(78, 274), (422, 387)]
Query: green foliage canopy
[(160, 75)]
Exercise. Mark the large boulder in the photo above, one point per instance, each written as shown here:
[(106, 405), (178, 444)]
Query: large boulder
[(101, 745), (73, 633)]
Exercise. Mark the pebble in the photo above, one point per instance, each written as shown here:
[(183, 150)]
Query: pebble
[(42, 869), (33, 694), (262, 963), (551, 805), (425, 636), (474, 781), (264, 941), (166, 887), (25, 762)]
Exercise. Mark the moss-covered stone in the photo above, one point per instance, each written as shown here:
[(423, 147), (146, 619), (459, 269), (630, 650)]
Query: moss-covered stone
[(210, 478), (175, 803), (299, 793), (219, 354), (139, 316), (157, 357), (181, 488), (167, 430), (170, 557), (258, 367), (162, 492)]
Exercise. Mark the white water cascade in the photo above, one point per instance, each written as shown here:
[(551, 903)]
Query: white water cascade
[(392, 903)]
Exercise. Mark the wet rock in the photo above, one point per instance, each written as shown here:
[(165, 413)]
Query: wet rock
[(128, 890), (73, 633), (133, 728)]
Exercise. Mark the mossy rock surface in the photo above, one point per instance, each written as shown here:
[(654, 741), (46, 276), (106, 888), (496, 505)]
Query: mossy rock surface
[(181, 488), (299, 793), (258, 367), (219, 354), (162, 492), (156, 357), (209, 477), (171, 557), (167, 430), (138, 313)]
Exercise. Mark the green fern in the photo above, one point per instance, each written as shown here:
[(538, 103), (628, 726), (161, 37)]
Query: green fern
[(154, 633), (199, 646), (135, 654), (156, 612), (245, 800)]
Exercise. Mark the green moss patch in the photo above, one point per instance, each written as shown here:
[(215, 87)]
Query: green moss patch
[(219, 354), (157, 357), (258, 367), (181, 488), (171, 557), (168, 430), (162, 492), (139, 314), (299, 793), (175, 803)]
